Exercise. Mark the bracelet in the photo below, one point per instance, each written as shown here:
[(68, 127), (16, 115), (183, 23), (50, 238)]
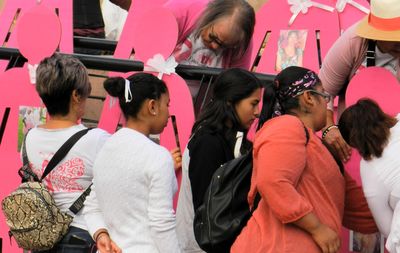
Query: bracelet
[(103, 231), (329, 128)]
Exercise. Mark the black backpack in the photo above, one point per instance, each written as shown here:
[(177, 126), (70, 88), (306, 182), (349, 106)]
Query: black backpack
[(225, 209)]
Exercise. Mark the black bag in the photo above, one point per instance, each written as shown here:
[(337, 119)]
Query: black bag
[(225, 209)]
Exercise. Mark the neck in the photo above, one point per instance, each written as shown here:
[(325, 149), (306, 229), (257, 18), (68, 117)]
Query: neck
[(57, 121), (305, 118), (138, 125)]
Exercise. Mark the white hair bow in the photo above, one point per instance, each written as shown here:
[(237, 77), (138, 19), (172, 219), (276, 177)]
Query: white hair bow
[(160, 65), (303, 5), (341, 4)]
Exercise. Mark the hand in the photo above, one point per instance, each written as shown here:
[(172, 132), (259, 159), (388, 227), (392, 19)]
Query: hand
[(177, 157), (327, 239), (106, 245), (334, 139)]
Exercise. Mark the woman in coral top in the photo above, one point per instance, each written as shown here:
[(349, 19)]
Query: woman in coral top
[(305, 196)]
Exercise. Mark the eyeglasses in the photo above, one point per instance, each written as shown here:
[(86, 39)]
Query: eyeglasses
[(213, 38), (327, 97)]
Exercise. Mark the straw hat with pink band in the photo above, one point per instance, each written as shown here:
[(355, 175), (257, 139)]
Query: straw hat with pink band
[(383, 22)]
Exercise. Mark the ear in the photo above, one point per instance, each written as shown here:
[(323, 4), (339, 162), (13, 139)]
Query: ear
[(152, 107), (308, 98), (307, 101), (75, 97)]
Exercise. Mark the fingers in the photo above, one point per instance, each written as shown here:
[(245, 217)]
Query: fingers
[(104, 244), (115, 248), (175, 150), (334, 247), (177, 158), (335, 140)]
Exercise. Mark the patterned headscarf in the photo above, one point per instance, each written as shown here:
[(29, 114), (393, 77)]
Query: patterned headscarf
[(309, 80)]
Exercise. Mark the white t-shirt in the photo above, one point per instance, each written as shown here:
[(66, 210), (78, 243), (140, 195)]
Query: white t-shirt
[(135, 183), (381, 181), (74, 173), (193, 52)]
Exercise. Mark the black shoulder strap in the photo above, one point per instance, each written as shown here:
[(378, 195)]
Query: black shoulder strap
[(371, 53), (63, 151), (25, 172), (78, 204), (307, 134)]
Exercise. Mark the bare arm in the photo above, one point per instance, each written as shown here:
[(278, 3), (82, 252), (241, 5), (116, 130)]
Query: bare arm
[(327, 239), (334, 138)]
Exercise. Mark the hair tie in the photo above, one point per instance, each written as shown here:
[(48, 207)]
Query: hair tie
[(128, 93)]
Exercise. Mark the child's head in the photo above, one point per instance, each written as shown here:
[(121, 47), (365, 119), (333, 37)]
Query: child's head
[(62, 82), (234, 104), (296, 90), (142, 97), (366, 127)]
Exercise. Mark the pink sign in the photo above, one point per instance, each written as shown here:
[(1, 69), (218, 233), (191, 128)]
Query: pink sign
[(39, 33)]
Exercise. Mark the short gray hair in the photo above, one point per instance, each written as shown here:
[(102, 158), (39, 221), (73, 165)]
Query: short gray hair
[(56, 78)]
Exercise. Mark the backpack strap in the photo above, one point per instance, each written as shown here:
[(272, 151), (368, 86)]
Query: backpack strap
[(238, 144), (78, 204), (26, 172), (371, 53), (307, 133), (63, 151)]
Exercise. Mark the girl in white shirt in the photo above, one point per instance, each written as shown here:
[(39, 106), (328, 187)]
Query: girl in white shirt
[(376, 136), (134, 177)]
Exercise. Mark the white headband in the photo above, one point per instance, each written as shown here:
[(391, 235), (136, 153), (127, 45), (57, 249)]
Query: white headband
[(128, 93)]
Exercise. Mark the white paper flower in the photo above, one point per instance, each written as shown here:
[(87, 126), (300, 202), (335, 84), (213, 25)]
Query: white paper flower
[(162, 66)]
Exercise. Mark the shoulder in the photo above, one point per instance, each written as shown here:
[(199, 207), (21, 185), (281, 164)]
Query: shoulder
[(98, 133), (282, 127), (207, 139), (283, 123), (351, 41)]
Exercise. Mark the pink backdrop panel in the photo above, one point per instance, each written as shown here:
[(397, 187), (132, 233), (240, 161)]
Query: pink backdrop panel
[(376, 83), (156, 35), (138, 9), (268, 20), (181, 106), (351, 14), (11, 10), (16, 91), (39, 33)]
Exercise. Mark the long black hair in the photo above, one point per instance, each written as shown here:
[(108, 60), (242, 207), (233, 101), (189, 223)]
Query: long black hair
[(230, 87)]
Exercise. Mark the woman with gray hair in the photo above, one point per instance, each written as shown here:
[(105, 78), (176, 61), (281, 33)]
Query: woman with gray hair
[(214, 33)]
